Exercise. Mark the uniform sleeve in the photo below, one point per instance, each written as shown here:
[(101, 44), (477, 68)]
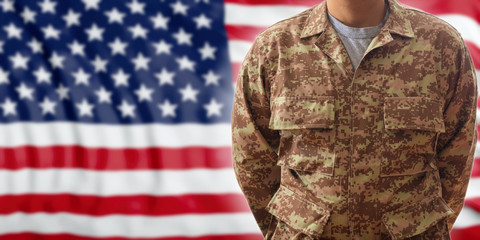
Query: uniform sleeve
[(456, 147), (253, 143)]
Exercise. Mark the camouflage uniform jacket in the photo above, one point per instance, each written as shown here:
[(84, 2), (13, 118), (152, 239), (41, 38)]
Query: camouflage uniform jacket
[(385, 152)]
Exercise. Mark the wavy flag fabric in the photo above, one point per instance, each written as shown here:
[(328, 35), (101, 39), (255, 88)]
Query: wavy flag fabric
[(114, 116)]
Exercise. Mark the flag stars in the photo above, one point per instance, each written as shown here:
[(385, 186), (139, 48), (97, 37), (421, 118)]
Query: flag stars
[(85, 108), (19, 61), (179, 8), (62, 92), (50, 32), (7, 6), (165, 77), (47, 6), (95, 33), (126, 109), (141, 62), (81, 77), (56, 60), (118, 47), (28, 15), (189, 93), (24, 92), (167, 108), (138, 31), (144, 93), (185, 63), (202, 21), (211, 78), (72, 18), (42, 75), (47, 106), (76, 48), (35, 45), (207, 51), (160, 21), (136, 7), (91, 4), (183, 37), (1, 46), (104, 96), (121, 78), (13, 31), (8, 107), (4, 76), (99, 64), (213, 108), (163, 47), (115, 16)]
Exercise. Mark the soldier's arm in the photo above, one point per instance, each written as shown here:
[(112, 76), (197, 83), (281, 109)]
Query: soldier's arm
[(254, 144), (456, 147)]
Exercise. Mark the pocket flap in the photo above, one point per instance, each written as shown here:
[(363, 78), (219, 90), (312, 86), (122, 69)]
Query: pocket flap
[(297, 212), (302, 112), (411, 220), (413, 113)]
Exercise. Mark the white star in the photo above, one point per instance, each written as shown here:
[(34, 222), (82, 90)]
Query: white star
[(207, 51), (47, 6), (19, 61), (84, 108), (163, 47), (81, 77), (72, 18), (144, 93), (42, 75), (99, 64), (121, 78), (1, 46), (7, 6), (138, 31), (206, 1), (56, 60), (165, 77), (211, 78), (95, 33), (50, 32), (28, 15), (179, 8), (8, 107), (24, 91), (213, 108), (126, 109), (13, 31), (35, 45), (136, 7), (167, 108), (47, 106), (189, 93), (160, 21), (62, 92), (202, 21), (185, 63), (115, 16), (118, 47), (104, 95), (141, 62), (77, 48), (4, 76), (183, 37), (91, 4)]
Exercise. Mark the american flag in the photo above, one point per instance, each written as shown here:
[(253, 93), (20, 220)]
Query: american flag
[(114, 116)]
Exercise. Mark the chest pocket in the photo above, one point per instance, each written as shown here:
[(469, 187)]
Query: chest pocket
[(307, 127), (412, 125)]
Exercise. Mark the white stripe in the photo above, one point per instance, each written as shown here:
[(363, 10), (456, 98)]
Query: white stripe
[(109, 183), (129, 226), (238, 50), (114, 136), (468, 27), (473, 189), (259, 15), (467, 218)]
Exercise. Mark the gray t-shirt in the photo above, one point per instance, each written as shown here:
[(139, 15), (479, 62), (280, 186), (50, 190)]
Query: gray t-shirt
[(356, 40)]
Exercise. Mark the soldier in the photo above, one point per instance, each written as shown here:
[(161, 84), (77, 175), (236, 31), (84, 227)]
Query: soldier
[(356, 122)]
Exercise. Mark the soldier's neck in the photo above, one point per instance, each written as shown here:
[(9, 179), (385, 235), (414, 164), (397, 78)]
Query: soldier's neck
[(358, 13)]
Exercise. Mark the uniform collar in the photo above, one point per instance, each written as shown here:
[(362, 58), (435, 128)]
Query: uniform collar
[(397, 21)]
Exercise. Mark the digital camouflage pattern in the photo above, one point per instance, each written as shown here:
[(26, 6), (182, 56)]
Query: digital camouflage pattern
[(385, 152)]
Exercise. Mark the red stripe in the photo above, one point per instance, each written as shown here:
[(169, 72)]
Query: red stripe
[(115, 159), (276, 2), (132, 204), (34, 236), (470, 8), (475, 53), (469, 233), (476, 166), (473, 202), (236, 69), (244, 33)]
